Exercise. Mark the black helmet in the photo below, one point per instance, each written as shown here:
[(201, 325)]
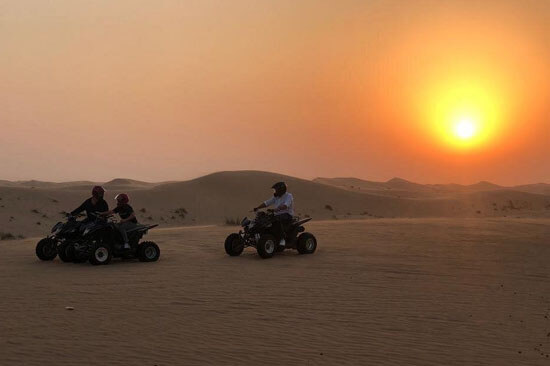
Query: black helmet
[(98, 192), (280, 189)]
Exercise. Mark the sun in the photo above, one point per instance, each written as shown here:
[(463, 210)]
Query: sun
[(465, 128), (462, 115)]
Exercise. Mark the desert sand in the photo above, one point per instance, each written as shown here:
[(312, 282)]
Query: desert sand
[(450, 291)]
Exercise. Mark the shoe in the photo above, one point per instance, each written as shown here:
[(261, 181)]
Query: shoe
[(282, 243), (126, 246)]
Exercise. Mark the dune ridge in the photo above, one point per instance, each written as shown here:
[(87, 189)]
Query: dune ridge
[(29, 209)]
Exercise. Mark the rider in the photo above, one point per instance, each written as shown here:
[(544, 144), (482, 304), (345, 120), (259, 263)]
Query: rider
[(96, 203), (284, 208), (128, 218)]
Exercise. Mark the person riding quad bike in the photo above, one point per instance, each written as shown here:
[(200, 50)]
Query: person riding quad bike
[(273, 230), (94, 204), (106, 238), (284, 209), (64, 235), (128, 220)]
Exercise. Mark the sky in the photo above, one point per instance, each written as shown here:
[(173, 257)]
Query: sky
[(430, 91)]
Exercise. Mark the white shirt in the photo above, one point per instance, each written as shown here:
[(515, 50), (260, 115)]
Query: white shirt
[(286, 199)]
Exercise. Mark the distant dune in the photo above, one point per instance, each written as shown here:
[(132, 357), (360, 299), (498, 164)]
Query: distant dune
[(31, 208)]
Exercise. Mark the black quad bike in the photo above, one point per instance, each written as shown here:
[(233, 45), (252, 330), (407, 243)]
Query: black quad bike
[(60, 241), (103, 241), (261, 233)]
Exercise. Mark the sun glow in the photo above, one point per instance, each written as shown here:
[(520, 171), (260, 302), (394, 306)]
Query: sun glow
[(464, 115)]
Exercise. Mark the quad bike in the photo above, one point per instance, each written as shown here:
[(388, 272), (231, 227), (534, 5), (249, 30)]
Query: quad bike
[(103, 241), (60, 240), (261, 233)]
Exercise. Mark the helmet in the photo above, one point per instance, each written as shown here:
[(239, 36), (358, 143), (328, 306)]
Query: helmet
[(122, 199), (280, 189), (98, 192)]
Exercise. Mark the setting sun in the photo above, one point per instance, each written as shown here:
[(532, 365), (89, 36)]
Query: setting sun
[(463, 115), (465, 129)]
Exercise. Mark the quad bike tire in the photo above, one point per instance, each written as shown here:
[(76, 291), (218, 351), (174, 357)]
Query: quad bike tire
[(77, 257), (65, 253), (101, 254), (266, 246), (234, 245), (307, 243), (148, 251), (46, 249)]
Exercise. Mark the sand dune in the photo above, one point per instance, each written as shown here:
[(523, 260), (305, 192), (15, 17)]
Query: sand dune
[(216, 197), (378, 292), (398, 187)]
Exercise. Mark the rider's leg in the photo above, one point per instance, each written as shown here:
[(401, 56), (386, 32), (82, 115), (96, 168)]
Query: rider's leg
[(122, 228), (283, 220)]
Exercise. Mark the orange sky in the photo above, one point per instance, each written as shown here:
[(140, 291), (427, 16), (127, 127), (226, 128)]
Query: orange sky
[(176, 89)]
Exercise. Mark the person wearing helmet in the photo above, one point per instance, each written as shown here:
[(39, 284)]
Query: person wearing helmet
[(96, 203), (128, 218), (283, 202)]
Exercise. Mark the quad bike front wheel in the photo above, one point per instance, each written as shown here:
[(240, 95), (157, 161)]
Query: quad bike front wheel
[(266, 246), (46, 249), (148, 251), (101, 254), (307, 243), (234, 245)]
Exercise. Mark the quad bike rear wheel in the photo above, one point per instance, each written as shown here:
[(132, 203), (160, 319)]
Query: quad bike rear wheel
[(148, 251), (307, 243), (234, 245), (266, 246), (101, 254), (46, 249)]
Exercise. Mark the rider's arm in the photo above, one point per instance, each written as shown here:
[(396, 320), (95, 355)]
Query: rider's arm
[(131, 217), (79, 209), (286, 204), (281, 207), (260, 206), (265, 204)]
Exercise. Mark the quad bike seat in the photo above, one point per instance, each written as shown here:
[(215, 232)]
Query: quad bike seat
[(140, 227)]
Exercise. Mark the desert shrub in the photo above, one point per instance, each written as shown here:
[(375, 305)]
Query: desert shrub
[(34, 210), (38, 223), (54, 200), (307, 215), (328, 207), (150, 218), (232, 221), (143, 210), (181, 212), (7, 236)]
